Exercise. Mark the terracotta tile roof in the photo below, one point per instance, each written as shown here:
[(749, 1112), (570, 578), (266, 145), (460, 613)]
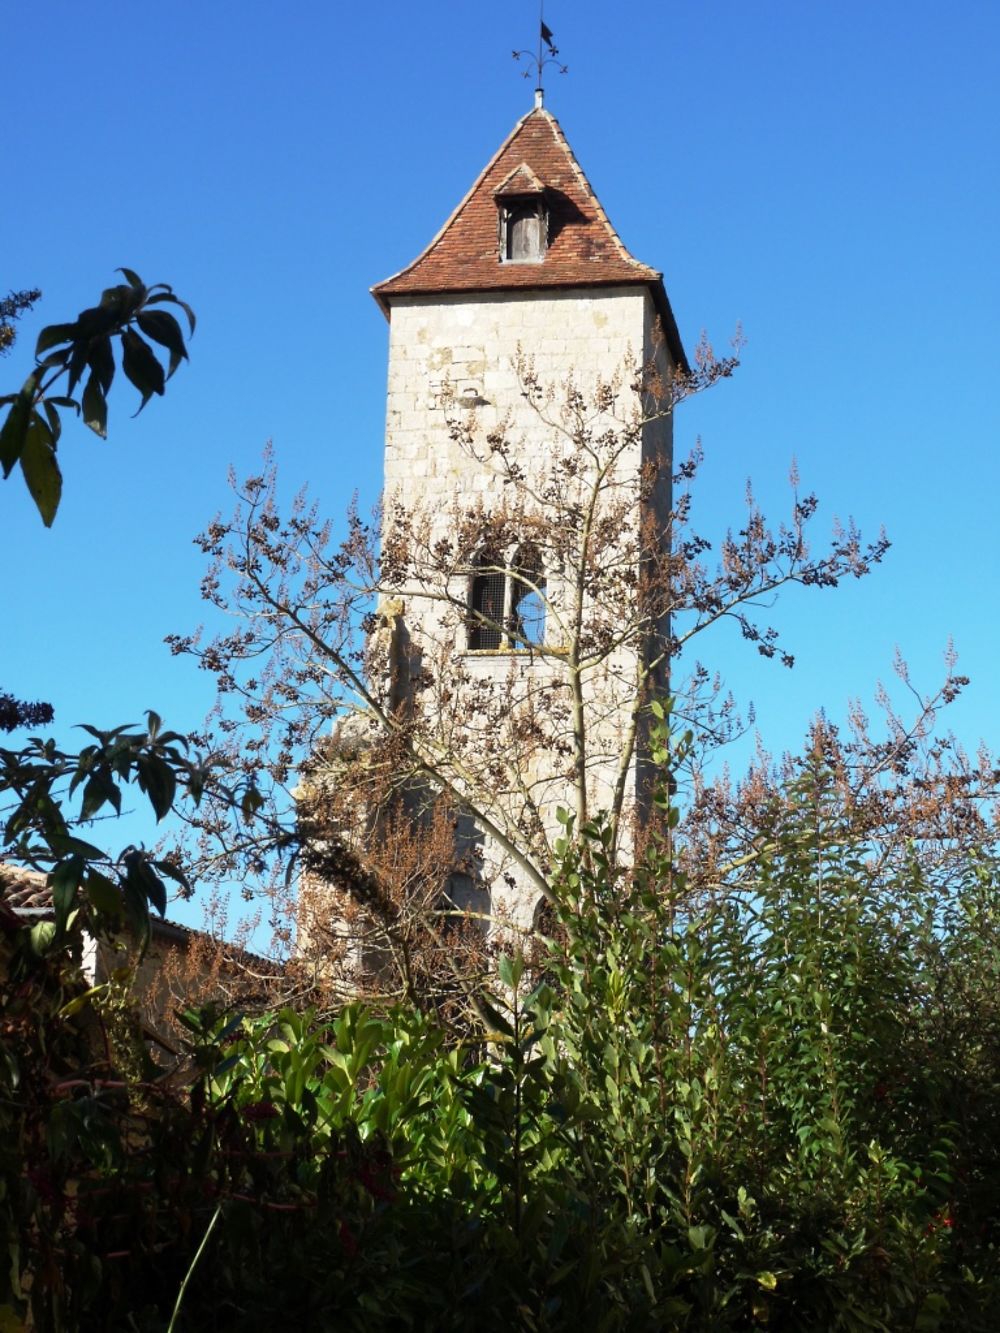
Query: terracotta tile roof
[(584, 249), (24, 890), (522, 180), (28, 895)]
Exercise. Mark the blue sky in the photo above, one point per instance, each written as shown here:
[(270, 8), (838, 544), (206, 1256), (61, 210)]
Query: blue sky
[(825, 173)]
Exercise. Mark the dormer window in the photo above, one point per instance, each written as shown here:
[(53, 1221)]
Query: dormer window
[(523, 231), (523, 221)]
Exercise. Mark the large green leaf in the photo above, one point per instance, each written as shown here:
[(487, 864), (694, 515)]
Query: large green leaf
[(101, 360), (141, 366), (164, 329), (143, 879), (53, 418), (15, 427), (103, 893), (77, 362), (95, 407), (54, 334), (167, 295), (41, 471), (157, 780), (64, 881), (136, 901)]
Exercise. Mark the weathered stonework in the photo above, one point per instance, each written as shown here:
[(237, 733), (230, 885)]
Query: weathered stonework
[(481, 348)]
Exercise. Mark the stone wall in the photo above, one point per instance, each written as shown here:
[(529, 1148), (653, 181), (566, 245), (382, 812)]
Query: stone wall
[(454, 359)]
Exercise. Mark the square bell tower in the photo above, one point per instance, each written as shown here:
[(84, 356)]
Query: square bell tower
[(528, 460)]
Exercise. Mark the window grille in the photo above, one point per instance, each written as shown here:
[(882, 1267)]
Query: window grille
[(508, 609), (487, 611)]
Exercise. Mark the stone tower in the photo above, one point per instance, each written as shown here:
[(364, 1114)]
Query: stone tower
[(524, 340)]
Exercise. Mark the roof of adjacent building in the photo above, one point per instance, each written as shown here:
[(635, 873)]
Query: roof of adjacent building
[(28, 895), (584, 250), (24, 890)]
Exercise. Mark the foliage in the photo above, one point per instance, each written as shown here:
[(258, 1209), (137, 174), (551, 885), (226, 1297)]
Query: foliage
[(32, 427), (12, 307), (769, 1108), (16, 713), (93, 889), (350, 694)]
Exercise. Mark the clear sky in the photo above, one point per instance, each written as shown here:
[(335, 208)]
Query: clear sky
[(826, 173)]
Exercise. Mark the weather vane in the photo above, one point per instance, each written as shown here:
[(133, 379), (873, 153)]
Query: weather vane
[(539, 59)]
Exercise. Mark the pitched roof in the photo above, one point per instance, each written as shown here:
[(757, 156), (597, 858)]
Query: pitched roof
[(584, 249), (28, 895), (24, 890), (522, 180)]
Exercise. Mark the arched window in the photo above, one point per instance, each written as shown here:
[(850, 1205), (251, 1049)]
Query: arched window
[(464, 894), (527, 598), (507, 605)]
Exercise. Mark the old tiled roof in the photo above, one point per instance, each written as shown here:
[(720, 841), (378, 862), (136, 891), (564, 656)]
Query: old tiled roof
[(28, 894), (24, 890), (522, 180), (584, 249)]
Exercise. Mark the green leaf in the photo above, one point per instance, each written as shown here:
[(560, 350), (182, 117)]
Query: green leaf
[(53, 418), (65, 844), (98, 790), (647, 1282), (493, 1016), (103, 893), (59, 358), (119, 304), (41, 471), (164, 329), (101, 359), (42, 935), (173, 872), (130, 276), (15, 428), (157, 780), (80, 1002), (78, 361), (700, 1238), (152, 886), (52, 335), (136, 899), (95, 407), (175, 300), (64, 882), (251, 803), (767, 1280), (141, 366)]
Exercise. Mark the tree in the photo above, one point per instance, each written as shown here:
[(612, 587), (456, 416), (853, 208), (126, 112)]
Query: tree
[(33, 426), (350, 704), (91, 889), (776, 1109), (12, 307)]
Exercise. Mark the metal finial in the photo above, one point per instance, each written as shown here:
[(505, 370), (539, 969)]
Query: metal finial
[(538, 59)]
